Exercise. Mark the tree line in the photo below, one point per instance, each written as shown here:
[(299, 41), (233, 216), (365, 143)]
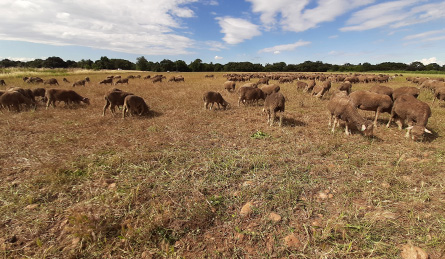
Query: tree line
[(198, 66)]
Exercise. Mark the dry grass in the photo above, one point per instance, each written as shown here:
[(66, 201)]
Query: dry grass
[(76, 184)]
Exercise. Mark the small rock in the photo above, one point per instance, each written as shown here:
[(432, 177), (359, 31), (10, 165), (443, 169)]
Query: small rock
[(246, 210), (412, 252), (330, 196), (32, 206), (75, 241), (247, 183), (322, 195), (316, 223), (112, 186), (274, 217), (292, 241), (385, 185)]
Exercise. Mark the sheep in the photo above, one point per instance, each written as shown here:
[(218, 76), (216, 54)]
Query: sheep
[(114, 98), (106, 81), (39, 92), (345, 86), (65, 80), (214, 97), (157, 79), (26, 92), (2, 82), (13, 99), (269, 89), (340, 107), (381, 89), (209, 76), (250, 94), (414, 91), (320, 90), (254, 85), (310, 86), (229, 86), (176, 79), (51, 81), (79, 83), (66, 96), (370, 101), (34, 80), (87, 79), (408, 108), (263, 80), (147, 77), (2, 92), (121, 81), (25, 78), (135, 105), (301, 85), (439, 94), (274, 103)]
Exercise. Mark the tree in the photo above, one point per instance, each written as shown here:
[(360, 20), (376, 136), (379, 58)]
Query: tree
[(54, 62), (433, 66), (167, 65), (416, 66), (181, 66), (142, 64), (196, 66)]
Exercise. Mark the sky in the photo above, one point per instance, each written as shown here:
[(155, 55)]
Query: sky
[(222, 31)]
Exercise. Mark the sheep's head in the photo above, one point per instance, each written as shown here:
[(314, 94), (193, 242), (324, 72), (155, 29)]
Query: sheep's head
[(86, 100), (225, 105), (367, 129), (416, 132)]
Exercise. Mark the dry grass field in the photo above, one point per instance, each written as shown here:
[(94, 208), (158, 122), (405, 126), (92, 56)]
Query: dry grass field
[(76, 184)]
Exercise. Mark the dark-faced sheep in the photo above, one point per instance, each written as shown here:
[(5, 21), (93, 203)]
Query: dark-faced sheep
[(414, 91), (341, 108), (51, 81), (274, 103), (250, 94), (2, 82), (79, 83), (370, 101), (121, 81), (415, 112), (115, 98), (26, 92), (269, 89), (214, 97), (106, 81), (320, 90), (14, 99), (229, 86), (66, 96), (135, 105)]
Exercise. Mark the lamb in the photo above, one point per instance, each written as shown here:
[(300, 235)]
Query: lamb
[(2, 82), (370, 101), (122, 81), (381, 89), (79, 83), (408, 108), (135, 105), (414, 91), (229, 86), (66, 96), (340, 107), (214, 97), (345, 86), (106, 81), (14, 99), (274, 103), (310, 86), (269, 89), (320, 90), (114, 98), (250, 94)]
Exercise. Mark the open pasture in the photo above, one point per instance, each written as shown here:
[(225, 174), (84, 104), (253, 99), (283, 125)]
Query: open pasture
[(76, 184)]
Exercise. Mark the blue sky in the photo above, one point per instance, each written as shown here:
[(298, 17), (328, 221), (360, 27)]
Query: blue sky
[(221, 31)]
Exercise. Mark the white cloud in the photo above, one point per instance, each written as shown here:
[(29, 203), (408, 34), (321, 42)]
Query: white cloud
[(215, 45), (23, 59), (287, 47), (237, 30), (134, 26), (423, 35), (218, 57), (333, 37), (427, 61)]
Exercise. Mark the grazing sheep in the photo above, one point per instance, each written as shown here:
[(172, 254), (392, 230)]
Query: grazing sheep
[(87, 79), (310, 86), (2, 92), (51, 81), (34, 80), (176, 79), (250, 94), (301, 85), (370, 101), (229, 86), (274, 103), (2, 82), (147, 77), (106, 81), (214, 97), (121, 81), (39, 92), (340, 107), (345, 86), (269, 89), (439, 94), (114, 98), (320, 90), (408, 108), (79, 83), (14, 99), (381, 89), (263, 80), (135, 105), (156, 79), (209, 76), (414, 91), (66, 96), (65, 80), (25, 78), (254, 85), (26, 92)]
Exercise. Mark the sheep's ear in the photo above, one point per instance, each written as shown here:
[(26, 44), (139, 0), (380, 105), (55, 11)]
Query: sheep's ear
[(363, 127), (427, 131)]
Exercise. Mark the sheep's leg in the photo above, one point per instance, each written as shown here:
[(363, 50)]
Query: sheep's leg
[(390, 118), (239, 101), (206, 104), (333, 126), (281, 119), (330, 119), (408, 131), (399, 123), (211, 106), (272, 118), (124, 110), (376, 117), (105, 107), (347, 129), (219, 108)]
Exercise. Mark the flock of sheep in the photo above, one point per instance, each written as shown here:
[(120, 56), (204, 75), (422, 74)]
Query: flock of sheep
[(401, 103)]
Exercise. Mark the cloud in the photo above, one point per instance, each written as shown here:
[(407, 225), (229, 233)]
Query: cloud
[(333, 37), (293, 15), (23, 59), (140, 27), (394, 14), (427, 61), (423, 35), (218, 57), (237, 30), (287, 47), (215, 45)]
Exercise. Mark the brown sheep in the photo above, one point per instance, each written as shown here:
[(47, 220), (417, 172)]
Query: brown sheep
[(209, 76), (274, 103), (2, 82), (340, 107), (79, 83), (14, 99), (39, 92), (310, 86), (214, 97), (66, 96), (229, 86), (114, 98), (263, 80), (345, 86), (147, 77), (34, 80), (157, 79), (301, 85), (320, 90), (65, 80), (250, 94), (176, 79), (51, 81), (439, 94), (370, 101), (415, 112), (26, 92), (106, 81), (269, 89), (135, 105), (121, 81), (414, 91), (381, 89)]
